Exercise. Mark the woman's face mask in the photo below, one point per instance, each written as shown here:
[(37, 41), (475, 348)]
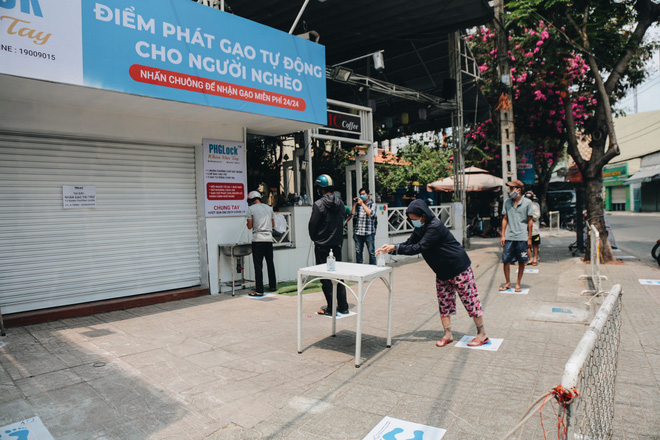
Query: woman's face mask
[(416, 223)]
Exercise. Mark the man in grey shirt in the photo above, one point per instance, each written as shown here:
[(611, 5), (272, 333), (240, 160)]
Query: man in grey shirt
[(261, 219), (517, 222)]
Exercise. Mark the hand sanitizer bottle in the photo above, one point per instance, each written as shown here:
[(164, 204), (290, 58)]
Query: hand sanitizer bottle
[(331, 261)]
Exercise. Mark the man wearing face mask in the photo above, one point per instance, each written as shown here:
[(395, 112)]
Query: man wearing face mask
[(452, 267), (517, 223), (326, 229), (363, 214)]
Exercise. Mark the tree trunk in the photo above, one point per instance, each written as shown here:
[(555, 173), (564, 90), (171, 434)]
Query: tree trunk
[(593, 187)]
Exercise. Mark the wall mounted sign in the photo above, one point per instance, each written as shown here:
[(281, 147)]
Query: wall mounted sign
[(225, 178), (615, 175), (343, 122), (169, 49), (78, 196)]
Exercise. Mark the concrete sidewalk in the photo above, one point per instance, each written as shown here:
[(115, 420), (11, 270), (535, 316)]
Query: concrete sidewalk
[(217, 367)]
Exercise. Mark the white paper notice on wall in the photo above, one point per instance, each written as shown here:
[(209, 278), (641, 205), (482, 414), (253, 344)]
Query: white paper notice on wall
[(78, 196)]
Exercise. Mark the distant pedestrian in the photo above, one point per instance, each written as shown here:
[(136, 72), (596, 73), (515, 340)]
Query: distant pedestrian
[(452, 267), (536, 228), (261, 219), (364, 231), (326, 229), (517, 222)]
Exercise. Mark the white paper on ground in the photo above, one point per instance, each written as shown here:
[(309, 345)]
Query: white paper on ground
[(529, 271), (391, 428), (340, 315), (28, 429), (266, 295), (650, 282), (513, 291), (492, 345)]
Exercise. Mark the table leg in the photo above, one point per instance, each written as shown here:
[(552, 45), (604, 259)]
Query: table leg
[(300, 312), (358, 337), (389, 312), (2, 325), (334, 307)]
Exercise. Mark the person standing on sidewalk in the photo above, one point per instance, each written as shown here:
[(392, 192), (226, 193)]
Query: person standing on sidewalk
[(326, 229), (365, 230), (261, 219), (452, 267), (517, 223), (536, 228)]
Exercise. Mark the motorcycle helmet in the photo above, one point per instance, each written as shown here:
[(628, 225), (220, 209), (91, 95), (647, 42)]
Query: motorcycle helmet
[(323, 181)]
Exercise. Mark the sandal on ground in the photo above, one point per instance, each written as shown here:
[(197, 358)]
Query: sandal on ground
[(505, 287), (478, 342), (324, 311), (255, 294), (518, 289), (443, 342), (534, 263)]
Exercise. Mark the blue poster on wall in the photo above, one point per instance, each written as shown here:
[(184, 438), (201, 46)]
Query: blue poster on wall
[(526, 167), (169, 49)]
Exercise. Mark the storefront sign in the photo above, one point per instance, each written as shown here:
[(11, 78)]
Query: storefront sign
[(615, 175), (170, 49), (526, 168), (225, 178), (78, 196), (344, 122)]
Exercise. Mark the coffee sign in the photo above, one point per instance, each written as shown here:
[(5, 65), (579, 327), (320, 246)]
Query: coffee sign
[(344, 122)]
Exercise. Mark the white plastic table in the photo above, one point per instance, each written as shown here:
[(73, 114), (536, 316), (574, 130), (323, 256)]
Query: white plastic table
[(360, 273)]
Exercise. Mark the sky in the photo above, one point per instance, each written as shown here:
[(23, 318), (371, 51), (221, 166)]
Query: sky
[(648, 93)]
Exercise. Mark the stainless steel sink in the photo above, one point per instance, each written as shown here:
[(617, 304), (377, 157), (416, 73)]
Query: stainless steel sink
[(237, 249)]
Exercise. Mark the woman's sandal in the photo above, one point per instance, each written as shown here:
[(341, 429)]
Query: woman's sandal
[(443, 342), (255, 294), (505, 287), (478, 342)]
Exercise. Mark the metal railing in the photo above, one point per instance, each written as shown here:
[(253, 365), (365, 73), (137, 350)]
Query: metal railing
[(591, 370), (553, 222), (398, 222), (594, 264), (284, 239)]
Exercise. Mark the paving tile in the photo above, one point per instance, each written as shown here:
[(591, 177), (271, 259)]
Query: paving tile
[(236, 373)]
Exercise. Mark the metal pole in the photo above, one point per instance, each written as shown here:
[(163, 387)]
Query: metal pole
[(295, 23), (458, 126), (507, 127)]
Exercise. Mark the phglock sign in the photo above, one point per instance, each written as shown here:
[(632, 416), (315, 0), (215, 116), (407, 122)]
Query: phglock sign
[(225, 178)]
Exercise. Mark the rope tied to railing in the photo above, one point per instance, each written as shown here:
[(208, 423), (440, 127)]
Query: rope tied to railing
[(564, 397)]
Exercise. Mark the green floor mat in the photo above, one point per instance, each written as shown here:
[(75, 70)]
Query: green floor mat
[(290, 288)]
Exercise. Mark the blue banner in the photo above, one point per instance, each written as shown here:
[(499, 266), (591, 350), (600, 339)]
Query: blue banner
[(526, 167), (170, 49)]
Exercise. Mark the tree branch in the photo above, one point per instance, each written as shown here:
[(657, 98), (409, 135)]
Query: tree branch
[(647, 14), (571, 133)]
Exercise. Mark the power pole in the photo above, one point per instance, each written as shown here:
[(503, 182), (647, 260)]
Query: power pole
[(505, 106)]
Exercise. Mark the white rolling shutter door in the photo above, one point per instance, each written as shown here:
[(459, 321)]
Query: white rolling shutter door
[(141, 237), (619, 194)]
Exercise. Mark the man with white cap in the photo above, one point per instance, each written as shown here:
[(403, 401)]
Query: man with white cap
[(261, 219), (517, 222)]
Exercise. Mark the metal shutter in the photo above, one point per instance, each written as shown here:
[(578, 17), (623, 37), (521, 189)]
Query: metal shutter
[(141, 237), (619, 194)]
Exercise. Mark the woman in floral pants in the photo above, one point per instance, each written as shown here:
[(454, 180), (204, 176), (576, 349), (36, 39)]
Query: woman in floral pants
[(451, 265)]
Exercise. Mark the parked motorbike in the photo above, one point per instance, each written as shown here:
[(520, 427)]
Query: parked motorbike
[(655, 252)]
